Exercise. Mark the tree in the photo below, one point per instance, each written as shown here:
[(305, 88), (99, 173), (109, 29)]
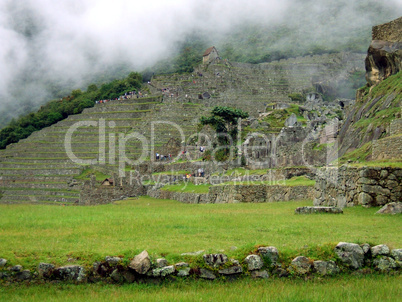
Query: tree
[(224, 121)]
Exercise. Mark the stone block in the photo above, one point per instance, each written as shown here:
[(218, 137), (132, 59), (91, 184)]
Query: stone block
[(351, 254), (141, 263), (254, 262)]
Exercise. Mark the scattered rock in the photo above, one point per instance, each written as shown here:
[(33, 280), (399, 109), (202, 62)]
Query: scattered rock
[(181, 265), (391, 208), (207, 274), (215, 260), (270, 254), (381, 249), (161, 262), (281, 272), (183, 272), (231, 270), (16, 268), (141, 263), (112, 261), (183, 269), (128, 276), (351, 254), (254, 262), (45, 270), (164, 271), (326, 267), (366, 248), (315, 210), (117, 276), (260, 274), (71, 273), (3, 262), (397, 254), (301, 265), (24, 275), (291, 120), (384, 264)]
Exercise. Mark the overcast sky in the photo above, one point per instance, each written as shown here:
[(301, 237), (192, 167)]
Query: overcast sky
[(43, 40)]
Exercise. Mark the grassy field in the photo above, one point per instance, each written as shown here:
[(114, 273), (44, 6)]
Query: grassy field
[(34, 233), (350, 288)]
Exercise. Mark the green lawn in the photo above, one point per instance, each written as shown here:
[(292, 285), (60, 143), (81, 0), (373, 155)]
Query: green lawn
[(34, 233), (345, 288), (292, 182), (187, 187)]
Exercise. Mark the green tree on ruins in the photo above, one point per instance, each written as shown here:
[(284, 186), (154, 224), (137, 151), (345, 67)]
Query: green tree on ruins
[(224, 121)]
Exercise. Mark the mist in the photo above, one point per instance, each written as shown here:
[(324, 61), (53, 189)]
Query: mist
[(47, 46)]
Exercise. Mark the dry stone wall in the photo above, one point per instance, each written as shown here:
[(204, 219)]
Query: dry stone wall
[(348, 186), (266, 262), (237, 194)]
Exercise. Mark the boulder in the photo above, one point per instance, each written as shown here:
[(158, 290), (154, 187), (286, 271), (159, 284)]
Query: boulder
[(45, 270), (301, 265), (381, 249), (236, 269), (270, 254), (70, 273), (141, 263), (291, 121), (384, 264), (112, 261), (260, 274), (3, 262), (325, 267), (391, 208), (116, 276), (23, 275), (161, 262), (163, 271), (397, 254), (207, 274), (351, 254), (16, 268), (254, 262), (366, 248), (183, 269), (215, 260)]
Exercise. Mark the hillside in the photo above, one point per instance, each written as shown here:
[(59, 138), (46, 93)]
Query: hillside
[(38, 169)]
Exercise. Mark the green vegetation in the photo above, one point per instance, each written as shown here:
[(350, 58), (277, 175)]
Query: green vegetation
[(86, 175), (58, 110), (224, 121), (337, 289), (277, 118), (187, 187), (35, 233)]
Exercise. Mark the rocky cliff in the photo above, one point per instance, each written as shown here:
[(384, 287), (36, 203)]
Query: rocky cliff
[(384, 57)]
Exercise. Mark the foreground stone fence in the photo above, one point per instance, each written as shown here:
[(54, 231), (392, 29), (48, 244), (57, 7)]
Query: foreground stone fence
[(264, 263), (349, 186)]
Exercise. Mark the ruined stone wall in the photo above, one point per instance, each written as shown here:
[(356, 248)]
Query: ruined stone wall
[(395, 127), (237, 194), (390, 31), (258, 193), (348, 186), (387, 148)]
